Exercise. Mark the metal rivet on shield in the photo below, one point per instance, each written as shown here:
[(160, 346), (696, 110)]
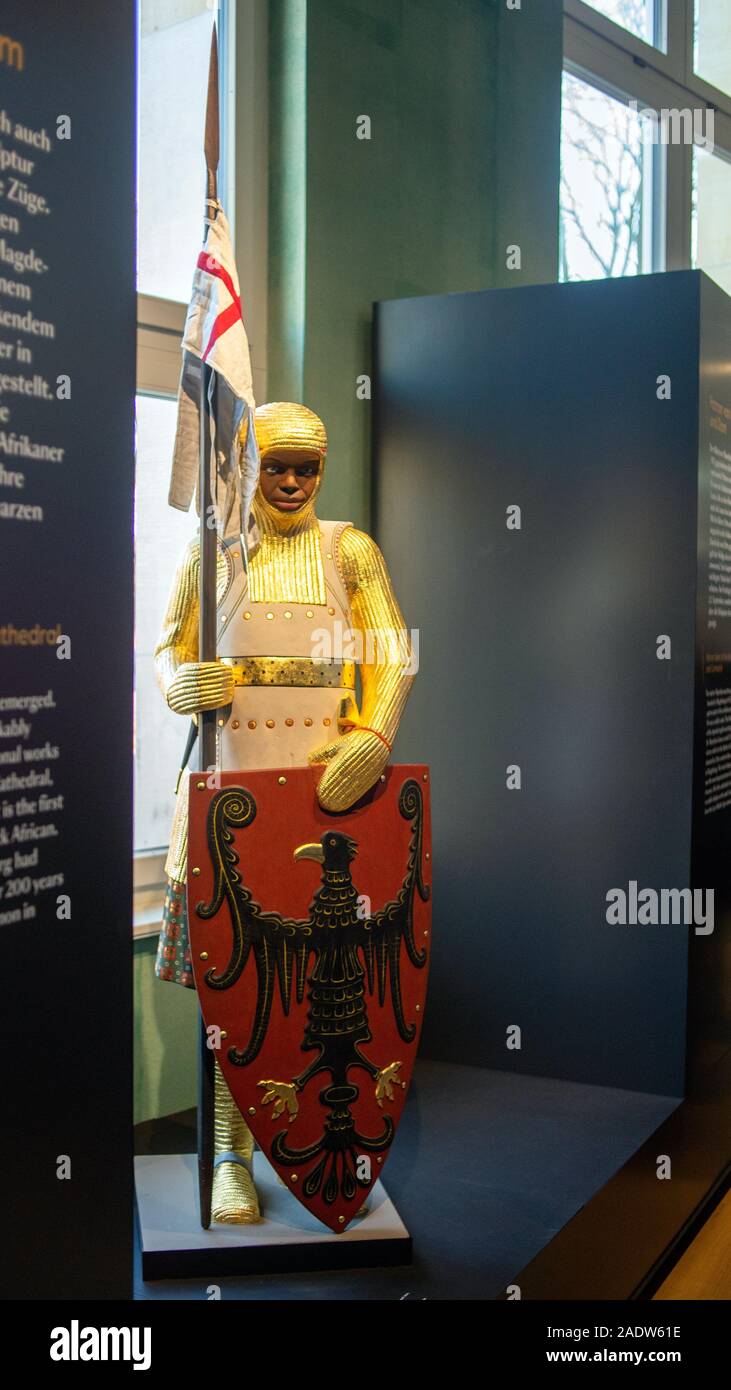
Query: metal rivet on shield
[(418, 1007), (341, 1219), (195, 872), (204, 956), (201, 786), (282, 781), (224, 1034), (293, 1177), (427, 855), (383, 776), (252, 1109), (379, 1159), (425, 777)]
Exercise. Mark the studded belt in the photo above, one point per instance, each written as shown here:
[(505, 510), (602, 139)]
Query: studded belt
[(291, 670)]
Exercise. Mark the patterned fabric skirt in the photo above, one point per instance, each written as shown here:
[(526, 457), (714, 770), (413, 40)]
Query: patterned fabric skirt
[(173, 952)]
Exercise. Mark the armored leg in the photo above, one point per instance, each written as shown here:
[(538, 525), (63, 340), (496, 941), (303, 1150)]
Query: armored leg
[(234, 1194)]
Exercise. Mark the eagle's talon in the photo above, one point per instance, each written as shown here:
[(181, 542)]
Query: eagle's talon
[(386, 1079), (284, 1095)]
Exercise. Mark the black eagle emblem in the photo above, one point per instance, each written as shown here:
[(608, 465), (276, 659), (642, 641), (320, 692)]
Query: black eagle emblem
[(340, 956)]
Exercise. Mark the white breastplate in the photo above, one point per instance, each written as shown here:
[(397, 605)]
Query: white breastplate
[(287, 699)]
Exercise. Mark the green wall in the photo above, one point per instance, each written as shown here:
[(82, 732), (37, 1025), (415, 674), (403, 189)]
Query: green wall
[(463, 160), (165, 1040)]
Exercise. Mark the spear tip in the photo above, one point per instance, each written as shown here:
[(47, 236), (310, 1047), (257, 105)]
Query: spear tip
[(211, 143)]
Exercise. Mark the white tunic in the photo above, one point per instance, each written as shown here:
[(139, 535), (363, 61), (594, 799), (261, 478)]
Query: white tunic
[(270, 723)]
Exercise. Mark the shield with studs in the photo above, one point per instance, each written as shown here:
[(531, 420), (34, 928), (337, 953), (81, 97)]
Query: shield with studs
[(310, 936)]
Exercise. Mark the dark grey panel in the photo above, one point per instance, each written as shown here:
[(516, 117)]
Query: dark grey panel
[(538, 647)]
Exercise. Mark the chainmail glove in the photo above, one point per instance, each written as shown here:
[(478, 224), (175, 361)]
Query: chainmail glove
[(353, 763), (200, 685)]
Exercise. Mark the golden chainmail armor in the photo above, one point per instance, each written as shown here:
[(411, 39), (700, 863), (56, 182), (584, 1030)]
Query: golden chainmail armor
[(286, 566), (353, 761)]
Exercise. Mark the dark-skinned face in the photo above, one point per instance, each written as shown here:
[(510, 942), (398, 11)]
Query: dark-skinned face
[(287, 481)]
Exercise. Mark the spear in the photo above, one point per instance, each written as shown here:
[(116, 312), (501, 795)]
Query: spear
[(207, 635)]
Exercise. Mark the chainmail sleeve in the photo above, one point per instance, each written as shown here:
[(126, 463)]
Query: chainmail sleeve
[(386, 667), (187, 685), (178, 641)]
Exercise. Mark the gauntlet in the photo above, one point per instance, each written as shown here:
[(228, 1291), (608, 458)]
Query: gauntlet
[(353, 763), (200, 685)]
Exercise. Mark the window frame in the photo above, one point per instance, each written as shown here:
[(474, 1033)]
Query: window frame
[(666, 61), (611, 58)]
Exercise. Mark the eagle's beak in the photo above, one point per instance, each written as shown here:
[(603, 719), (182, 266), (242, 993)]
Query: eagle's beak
[(310, 852)]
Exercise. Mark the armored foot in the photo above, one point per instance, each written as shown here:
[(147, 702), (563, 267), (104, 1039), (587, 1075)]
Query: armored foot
[(235, 1200)]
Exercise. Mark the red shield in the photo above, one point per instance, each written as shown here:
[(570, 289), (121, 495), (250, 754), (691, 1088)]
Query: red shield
[(310, 936)]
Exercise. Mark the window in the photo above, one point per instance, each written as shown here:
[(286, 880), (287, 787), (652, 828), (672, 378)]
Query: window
[(606, 186), (640, 17), (712, 217), (174, 47), (173, 50), (712, 43), (646, 137), (160, 537)]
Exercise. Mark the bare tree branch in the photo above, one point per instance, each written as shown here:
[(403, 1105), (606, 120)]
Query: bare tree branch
[(602, 134)]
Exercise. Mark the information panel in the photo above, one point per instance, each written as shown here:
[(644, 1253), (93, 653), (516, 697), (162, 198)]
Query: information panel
[(67, 351), (709, 1008)]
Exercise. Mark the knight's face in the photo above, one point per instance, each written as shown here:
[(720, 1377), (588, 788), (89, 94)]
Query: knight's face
[(289, 479)]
